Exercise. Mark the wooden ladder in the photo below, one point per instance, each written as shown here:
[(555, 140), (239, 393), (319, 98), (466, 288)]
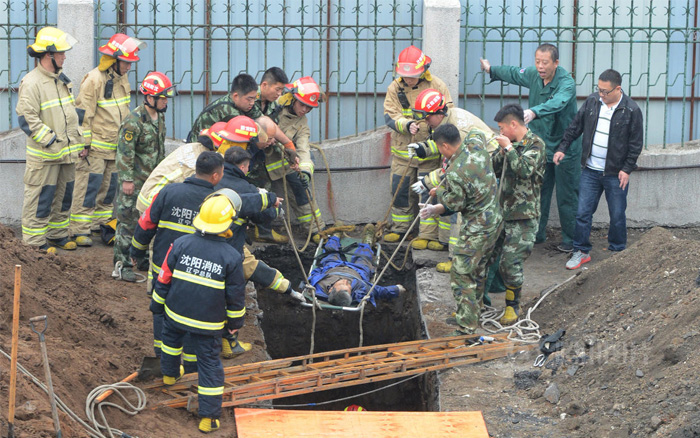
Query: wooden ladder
[(273, 379)]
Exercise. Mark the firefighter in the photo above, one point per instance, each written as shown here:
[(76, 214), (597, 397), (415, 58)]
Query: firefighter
[(47, 114), (105, 95), (170, 216), (300, 98), (413, 77), (201, 292), (141, 147)]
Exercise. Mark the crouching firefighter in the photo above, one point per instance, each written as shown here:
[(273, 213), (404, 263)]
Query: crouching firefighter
[(201, 292)]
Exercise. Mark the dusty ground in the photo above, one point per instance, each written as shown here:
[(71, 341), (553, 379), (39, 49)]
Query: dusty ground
[(627, 368)]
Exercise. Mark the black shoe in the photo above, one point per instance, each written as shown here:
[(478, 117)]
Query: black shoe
[(565, 247), (143, 265)]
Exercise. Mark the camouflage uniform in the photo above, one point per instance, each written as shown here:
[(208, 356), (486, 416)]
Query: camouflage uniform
[(141, 147), (470, 188), (221, 110), (520, 201)]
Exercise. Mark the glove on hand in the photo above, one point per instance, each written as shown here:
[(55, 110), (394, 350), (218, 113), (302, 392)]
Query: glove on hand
[(419, 187), (418, 149), (261, 190), (427, 210), (529, 116), (291, 156)]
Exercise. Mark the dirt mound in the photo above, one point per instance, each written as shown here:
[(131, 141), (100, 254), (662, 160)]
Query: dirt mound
[(98, 332), (629, 366)]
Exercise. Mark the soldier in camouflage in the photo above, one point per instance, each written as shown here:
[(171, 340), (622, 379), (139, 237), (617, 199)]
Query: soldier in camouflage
[(523, 155), (140, 148), (470, 188)]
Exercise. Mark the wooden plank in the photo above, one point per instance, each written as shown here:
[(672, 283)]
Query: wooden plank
[(278, 423)]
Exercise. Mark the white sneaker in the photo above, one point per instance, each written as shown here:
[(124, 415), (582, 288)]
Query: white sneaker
[(577, 259)]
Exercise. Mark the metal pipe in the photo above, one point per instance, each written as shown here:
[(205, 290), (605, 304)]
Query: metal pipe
[(692, 75)]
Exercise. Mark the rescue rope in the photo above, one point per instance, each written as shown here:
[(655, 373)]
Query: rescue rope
[(331, 194), (92, 432), (383, 223), (526, 329), (129, 408)]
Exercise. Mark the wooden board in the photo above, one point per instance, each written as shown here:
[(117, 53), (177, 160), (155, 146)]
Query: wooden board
[(274, 423)]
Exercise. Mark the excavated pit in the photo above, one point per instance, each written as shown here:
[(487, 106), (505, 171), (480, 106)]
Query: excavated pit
[(287, 331)]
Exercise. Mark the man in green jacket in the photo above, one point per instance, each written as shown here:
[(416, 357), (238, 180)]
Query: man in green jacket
[(552, 107)]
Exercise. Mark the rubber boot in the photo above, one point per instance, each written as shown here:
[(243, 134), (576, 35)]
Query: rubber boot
[(48, 249), (434, 245), (207, 424), (231, 346), (83, 240), (268, 235), (444, 266), (170, 380), (63, 243), (393, 237), (419, 244), (512, 312)]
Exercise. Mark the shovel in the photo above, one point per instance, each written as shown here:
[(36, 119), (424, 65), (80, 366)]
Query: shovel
[(150, 368), (47, 370)]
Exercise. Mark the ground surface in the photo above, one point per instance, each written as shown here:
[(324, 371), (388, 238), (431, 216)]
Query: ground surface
[(627, 369)]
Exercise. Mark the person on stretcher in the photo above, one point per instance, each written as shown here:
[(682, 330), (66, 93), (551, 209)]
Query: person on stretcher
[(344, 275)]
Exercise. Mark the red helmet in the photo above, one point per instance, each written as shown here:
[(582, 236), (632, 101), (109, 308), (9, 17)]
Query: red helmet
[(412, 62), (240, 129), (306, 91), (354, 408), (213, 133), (429, 102), (156, 84), (122, 47)]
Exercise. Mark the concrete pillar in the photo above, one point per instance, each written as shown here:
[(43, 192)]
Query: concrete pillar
[(77, 17), (441, 20)]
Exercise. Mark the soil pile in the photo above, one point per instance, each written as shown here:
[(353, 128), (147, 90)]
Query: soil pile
[(629, 365), (98, 332)]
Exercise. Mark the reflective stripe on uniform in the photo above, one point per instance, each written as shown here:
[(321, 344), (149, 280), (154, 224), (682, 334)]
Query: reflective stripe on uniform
[(42, 132), (304, 218), (157, 343), (87, 133), (34, 231), (104, 103), (189, 357), (275, 165), (203, 390), (265, 200), (164, 181), (193, 322), (81, 218), (157, 298), (401, 217), (138, 245), (104, 145), (62, 224), (102, 213), (444, 225), (235, 313), (240, 221), (66, 150), (404, 154), (170, 350), (56, 102), (428, 222), (189, 229), (307, 166), (196, 279)]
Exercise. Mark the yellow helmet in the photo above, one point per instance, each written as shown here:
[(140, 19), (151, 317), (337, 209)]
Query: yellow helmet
[(50, 39), (217, 212)]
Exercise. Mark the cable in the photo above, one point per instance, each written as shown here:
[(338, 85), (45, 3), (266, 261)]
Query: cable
[(93, 432), (300, 405), (526, 329)]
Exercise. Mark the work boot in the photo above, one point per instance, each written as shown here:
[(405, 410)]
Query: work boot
[(419, 244), (48, 249), (83, 240), (169, 380), (369, 234), (63, 243), (316, 238), (512, 312), (207, 424), (124, 273), (565, 247), (577, 259), (269, 235), (444, 266), (393, 237), (143, 265), (231, 347), (434, 245)]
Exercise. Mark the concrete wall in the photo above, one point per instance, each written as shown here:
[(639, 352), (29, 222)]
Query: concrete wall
[(77, 17), (441, 31)]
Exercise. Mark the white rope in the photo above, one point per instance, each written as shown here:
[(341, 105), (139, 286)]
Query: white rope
[(129, 408), (525, 329), (93, 432), (117, 273)]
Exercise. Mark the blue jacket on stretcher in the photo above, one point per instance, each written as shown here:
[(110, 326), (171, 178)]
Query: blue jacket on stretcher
[(359, 269)]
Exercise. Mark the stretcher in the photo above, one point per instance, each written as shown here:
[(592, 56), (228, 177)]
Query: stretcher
[(347, 244)]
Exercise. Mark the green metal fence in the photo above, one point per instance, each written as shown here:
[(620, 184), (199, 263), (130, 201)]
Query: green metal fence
[(346, 45), (19, 22), (654, 44)]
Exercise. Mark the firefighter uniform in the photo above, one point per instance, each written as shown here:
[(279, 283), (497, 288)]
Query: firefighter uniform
[(141, 147), (398, 114), (47, 114), (105, 97), (259, 210), (297, 129), (201, 292)]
